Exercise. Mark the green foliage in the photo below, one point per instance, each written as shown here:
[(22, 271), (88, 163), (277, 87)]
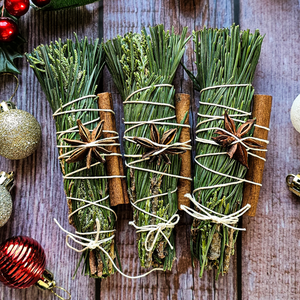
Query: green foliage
[(223, 56), (137, 61), (68, 71), (9, 51), (63, 4)]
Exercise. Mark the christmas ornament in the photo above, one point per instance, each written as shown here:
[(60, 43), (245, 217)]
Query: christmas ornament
[(17, 8), (20, 132), (8, 29), (6, 184), (41, 3), (293, 182), (22, 264), (295, 113)]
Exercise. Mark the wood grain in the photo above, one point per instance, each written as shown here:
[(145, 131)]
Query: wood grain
[(182, 282), (270, 261), (39, 196), (270, 247)]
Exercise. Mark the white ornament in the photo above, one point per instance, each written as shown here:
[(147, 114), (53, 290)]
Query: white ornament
[(295, 113)]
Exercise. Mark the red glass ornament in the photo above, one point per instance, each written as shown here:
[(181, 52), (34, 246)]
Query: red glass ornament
[(8, 29), (17, 8), (41, 3), (22, 262)]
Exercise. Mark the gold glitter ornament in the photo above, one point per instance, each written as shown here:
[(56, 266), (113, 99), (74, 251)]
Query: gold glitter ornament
[(20, 132), (6, 184)]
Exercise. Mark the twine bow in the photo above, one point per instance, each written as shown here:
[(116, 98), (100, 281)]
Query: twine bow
[(158, 228), (88, 244), (226, 220), (94, 244)]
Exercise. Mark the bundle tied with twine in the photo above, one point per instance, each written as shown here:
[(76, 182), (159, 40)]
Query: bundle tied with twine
[(68, 73), (143, 67), (226, 60)]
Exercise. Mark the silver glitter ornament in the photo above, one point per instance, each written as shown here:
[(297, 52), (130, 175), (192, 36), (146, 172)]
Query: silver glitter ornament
[(6, 184), (20, 132)]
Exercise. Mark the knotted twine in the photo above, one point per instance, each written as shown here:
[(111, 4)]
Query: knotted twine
[(78, 237), (206, 215), (156, 229), (70, 175)]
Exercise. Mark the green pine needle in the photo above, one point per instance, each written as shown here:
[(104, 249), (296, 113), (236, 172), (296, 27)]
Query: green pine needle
[(136, 61), (67, 71), (223, 56)]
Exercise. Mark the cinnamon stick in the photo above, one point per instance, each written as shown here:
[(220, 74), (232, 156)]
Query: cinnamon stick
[(114, 165), (182, 106), (261, 111)]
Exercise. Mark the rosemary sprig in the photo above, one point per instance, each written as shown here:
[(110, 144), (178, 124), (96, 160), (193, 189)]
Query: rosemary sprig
[(67, 71), (137, 61), (223, 56)]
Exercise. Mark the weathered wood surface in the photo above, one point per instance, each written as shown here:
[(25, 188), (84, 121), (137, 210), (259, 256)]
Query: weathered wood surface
[(268, 265), (270, 256), (38, 195), (183, 282)]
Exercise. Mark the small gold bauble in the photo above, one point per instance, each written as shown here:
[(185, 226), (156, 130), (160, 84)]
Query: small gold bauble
[(6, 184), (20, 132)]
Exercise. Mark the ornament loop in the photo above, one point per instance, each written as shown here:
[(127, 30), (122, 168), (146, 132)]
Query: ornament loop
[(17, 86), (6, 106), (293, 182), (7, 180), (58, 296)]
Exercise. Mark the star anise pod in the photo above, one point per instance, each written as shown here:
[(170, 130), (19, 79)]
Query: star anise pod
[(236, 150), (86, 150), (166, 139)]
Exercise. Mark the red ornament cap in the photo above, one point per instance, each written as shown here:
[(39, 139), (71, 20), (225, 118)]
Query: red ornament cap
[(17, 8), (22, 262), (8, 29)]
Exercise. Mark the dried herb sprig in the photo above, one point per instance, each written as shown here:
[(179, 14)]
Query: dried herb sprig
[(67, 71), (223, 56), (137, 61)]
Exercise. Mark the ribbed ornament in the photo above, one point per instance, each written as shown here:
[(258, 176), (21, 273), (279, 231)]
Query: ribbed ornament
[(22, 262)]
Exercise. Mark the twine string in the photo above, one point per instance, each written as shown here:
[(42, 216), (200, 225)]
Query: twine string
[(158, 228), (206, 214), (96, 244), (59, 112), (11, 74), (162, 224), (78, 237), (240, 113)]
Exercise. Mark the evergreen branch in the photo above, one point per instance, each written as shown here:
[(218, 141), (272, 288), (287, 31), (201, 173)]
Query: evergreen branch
[(67, 71)]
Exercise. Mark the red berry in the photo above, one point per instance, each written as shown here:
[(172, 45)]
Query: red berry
[(41, 3), (8, 29), (17, 8)]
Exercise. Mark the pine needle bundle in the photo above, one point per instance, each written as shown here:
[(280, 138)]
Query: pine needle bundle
[(223, 57), (68, 71), (143, 67)]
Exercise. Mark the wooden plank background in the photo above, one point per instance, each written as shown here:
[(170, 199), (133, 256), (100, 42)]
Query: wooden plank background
[(267, 261)]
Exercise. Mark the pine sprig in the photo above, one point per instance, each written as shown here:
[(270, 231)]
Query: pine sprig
[(137, 61), (223, 56), (67, 71)]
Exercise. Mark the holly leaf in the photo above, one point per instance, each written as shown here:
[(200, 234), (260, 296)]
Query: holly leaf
[(9, 51), (59, 4)]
